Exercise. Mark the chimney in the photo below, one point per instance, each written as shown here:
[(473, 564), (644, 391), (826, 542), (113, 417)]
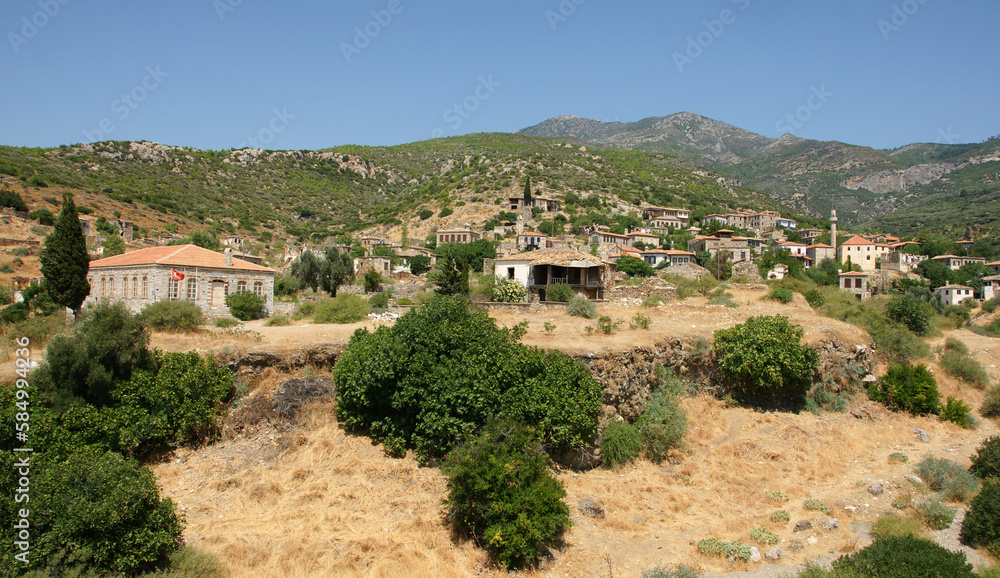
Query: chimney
[(227, 256)]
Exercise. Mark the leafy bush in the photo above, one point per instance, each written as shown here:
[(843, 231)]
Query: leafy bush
[(960, 365), (634, 267), (952, 344), (509, 291), (818, 506), (721, 549), (764, 536), (99, 512), (652, 301), (379, 301), (372, 280), (278, 321), (903, 557), (500, 491), (912, 312), (172, 316), (982, 522), (991, 403), (780, 516), (894, 525), (663, 425), (620, 444), (815, 298), (909, 388), (442, 371), (404, 301), (559, 292), (580, 306), (776, 496), (936, 515), (991, 305), (346, 308), (893, 340), (425, 214), (897, 457), (957, 412), (722, 297), (640, 322), (781, 295), (986, 462), (12, 199), (105, 348), (226, 322), (607, 325), (245, 305), (762, 359), (945, 476)]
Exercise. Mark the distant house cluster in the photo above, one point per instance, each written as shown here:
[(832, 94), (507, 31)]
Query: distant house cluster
[(761, 222)]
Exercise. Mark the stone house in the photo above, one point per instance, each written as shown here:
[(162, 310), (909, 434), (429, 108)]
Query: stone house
[(991, 287), (819, 251), (995, 265), (669, 256), (456, 236), (532, 241), (547, 205), (178, 273), (538, 270), (382, 265), (954, 294), (660, 219), (856, 283), (902, 262), (861, 252), (954, 262), (722, 240), (647, 238)]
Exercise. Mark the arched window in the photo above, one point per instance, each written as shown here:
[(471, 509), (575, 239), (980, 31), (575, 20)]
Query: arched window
[(124, 287), (145, 287), (241, 286), (111, 286), (258, 288), (104, 287)]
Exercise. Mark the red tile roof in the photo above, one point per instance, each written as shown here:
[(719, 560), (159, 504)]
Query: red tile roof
[(177, 256), (819, 246), (857, 240)]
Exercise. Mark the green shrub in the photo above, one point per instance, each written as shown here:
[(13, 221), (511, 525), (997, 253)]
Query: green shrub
[(982, 522), (662, 426), (991, 305), (818, 506), (607, 325), (718, 548), (372, 281), (188, 562), (620, 444), (245, 305), (379, 301), (425, 214), (904, 557), (780, 294), (764, 536), (680, 571), (580, 306), (897, 457), (936, 515), (780, 516), (952, 344), (960, 365), (991, 403), (815, 298), (894, 525), (894, 341), (652, 301), (762, 359), (722, 297), (909, 388), (945, 476), (776, 496), (634, 267), (442, 371), (986, 462), (640, 322), (559, 292), (910, 311), (509, 291), (99, 512), (500, 492), (226, 322), (957, 412), (105, 348), (278, 321), (172, 316), (346, 308), (404, 301)]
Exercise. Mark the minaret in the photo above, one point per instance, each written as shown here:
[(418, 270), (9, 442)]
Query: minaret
[(833, 232)]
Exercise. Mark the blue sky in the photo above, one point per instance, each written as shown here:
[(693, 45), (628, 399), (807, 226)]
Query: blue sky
[(219, 74)]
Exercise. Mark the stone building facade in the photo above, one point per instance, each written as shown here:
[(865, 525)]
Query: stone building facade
[(178, 273)]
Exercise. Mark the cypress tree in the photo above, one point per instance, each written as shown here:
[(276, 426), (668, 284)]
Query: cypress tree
[(527, 191), (64, 261)]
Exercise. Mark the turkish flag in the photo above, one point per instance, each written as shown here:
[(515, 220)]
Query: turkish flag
[(176, 275)]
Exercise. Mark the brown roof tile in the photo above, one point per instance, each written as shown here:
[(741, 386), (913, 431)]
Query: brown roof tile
[(177, 256)]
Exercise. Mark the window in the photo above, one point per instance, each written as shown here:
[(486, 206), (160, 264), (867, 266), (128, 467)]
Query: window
[(857, 283), (104, 287), (241, 286), (258, 288), (135, 287), (145, 287), (111, 286), (173, 289), (510, 272), (192, 289), (124, 287)]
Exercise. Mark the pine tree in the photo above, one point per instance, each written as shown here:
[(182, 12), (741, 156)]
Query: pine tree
[(451, 277), (527, 191), (64, 260)]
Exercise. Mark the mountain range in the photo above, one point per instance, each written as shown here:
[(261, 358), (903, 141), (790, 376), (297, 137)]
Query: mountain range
[(921, 185)]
